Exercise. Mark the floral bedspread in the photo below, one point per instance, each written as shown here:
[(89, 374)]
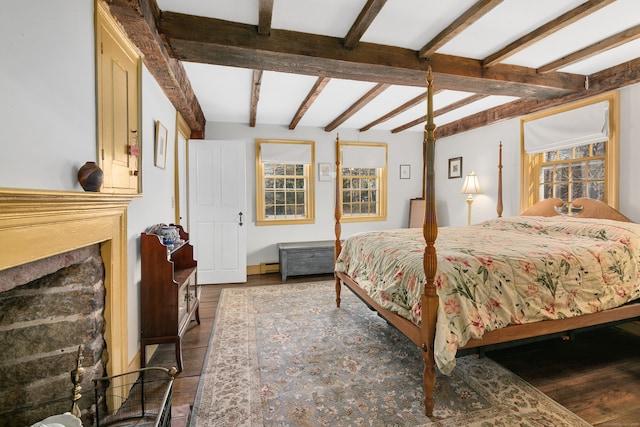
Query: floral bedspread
[(505, 271)]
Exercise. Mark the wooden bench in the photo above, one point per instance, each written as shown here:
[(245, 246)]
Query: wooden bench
[(303, 258)]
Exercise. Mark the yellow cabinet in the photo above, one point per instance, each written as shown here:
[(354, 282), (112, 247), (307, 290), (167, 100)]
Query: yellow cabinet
[(118, 69)]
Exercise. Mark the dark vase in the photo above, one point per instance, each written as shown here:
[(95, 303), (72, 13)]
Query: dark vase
[(90, 176)]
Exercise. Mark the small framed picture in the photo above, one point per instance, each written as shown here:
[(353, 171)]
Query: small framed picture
[(160, 159), (455, 167), (324, 171), (405, 171)]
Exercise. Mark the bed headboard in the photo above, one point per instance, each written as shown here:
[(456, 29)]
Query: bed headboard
[(588, 208)]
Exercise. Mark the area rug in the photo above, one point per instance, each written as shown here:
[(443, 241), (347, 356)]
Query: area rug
[(284, 355)]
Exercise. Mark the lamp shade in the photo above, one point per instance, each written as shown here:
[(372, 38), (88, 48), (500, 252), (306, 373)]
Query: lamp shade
[(471, 184)]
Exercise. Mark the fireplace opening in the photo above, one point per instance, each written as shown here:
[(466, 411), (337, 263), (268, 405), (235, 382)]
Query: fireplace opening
[(48, 308)]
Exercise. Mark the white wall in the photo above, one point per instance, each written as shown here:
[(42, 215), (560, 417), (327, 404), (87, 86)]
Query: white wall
[(405, 148), (479, 150), (156, 204), (47, 87)]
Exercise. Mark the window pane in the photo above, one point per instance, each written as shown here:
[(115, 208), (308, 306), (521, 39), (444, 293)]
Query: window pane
[(546, 173), (269, 183), (289, 183), (578, 189), (279, 170), (546, 191), (355, 208), (268, 169), (279, 197), (300, 183), (269, 197), (346, 183), (561, 191), (550, 156), (565, 154), (269, 211), (346, 196), (300, 211), (279, 210), (291, 198), (300, 170), (279, 182), (562, 172), (596, 190), (599, 148), (578, 171), (582, 151), (596, 169)]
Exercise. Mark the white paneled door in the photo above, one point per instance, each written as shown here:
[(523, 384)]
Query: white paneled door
[(217, 203)]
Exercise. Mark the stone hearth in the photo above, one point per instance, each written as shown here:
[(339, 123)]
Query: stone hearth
[(43, 321)]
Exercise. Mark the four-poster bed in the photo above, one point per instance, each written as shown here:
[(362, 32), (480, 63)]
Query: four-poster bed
[(470, 315)]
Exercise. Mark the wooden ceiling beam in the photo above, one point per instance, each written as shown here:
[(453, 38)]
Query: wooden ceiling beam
[(357, 106), (464, 21), (607, 80), (466, 101), (546, 30), (214, 41), (317, 88), (364, 20), (265, 13), (255, 97), (139, 19), (404, 107), (596, 48)]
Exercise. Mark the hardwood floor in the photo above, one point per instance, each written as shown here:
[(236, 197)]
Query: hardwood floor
[(596, 374)]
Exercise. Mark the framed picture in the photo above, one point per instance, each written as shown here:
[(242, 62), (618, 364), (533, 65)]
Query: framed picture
[(405, 171), (455, 167), (324, 171), (160, 159)]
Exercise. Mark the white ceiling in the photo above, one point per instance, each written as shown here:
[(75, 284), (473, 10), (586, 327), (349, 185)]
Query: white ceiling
[(224, 93)]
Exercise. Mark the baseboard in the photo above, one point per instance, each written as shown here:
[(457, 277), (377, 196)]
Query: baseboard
[(263, 268)]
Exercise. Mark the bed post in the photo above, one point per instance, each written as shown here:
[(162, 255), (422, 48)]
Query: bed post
[(499, 206), (430, 232), (338, 215)]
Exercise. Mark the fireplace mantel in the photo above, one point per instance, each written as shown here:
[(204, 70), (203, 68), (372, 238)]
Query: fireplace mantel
[(36, 224)]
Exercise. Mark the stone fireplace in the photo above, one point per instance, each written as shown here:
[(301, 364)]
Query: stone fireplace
[(63, 234)]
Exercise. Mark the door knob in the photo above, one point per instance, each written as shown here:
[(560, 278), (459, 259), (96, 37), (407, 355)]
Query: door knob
[(240, 213)]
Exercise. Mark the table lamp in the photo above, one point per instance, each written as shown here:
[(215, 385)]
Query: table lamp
[(470, 187)]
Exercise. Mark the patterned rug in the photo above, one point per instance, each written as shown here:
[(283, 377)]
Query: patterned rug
[(284, 355)]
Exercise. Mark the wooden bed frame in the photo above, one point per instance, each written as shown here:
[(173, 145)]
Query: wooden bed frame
[(424, 335)]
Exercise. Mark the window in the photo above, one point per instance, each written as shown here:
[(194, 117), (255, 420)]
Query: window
[(363, 174), (574, 172), (284, 182), (572, 152)]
